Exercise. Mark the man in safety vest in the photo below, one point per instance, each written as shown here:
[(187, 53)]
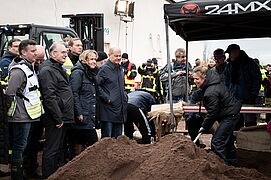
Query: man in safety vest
[(25, 105), (30, 156), (129, 71)]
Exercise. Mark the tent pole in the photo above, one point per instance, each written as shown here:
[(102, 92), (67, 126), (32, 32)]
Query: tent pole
[(187, 73), (169, 77)]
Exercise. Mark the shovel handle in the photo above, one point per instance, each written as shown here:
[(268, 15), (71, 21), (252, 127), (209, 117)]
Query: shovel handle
[(197, 138)]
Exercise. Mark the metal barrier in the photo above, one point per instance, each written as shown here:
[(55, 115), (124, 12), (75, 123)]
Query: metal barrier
[(244, 109)]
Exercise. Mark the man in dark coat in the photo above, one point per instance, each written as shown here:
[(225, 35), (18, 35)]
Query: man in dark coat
[(113, 107), (58, 105), (10, 54), (75, 49), (221, 63), (139, 104), (243, 78), (221, 106)]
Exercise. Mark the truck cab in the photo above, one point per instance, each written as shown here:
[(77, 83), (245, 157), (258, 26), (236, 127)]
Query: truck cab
[(88, 27), (43, 35)]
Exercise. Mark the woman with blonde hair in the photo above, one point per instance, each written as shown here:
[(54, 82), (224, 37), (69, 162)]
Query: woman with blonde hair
[(211, 63), (84, 90)]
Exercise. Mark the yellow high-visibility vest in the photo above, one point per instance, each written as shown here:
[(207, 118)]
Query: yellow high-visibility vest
[(68, 65), (31, 94)]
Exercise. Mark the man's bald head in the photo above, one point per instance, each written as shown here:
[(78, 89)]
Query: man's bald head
[(114, 55), (40, 54)]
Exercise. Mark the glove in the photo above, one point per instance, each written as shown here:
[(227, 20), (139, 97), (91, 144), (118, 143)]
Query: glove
[(202, 130), (269, 127)]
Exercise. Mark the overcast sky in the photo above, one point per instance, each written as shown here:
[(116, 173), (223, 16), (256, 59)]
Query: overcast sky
[(255, 48)]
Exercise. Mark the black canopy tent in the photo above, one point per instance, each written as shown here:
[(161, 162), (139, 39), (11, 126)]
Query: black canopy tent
[(198, 20)]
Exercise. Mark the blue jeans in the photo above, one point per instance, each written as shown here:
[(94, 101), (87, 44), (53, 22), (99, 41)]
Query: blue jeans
[(20, 136), (110, 129)]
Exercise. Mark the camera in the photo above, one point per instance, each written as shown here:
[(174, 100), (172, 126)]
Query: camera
[(149, 63)]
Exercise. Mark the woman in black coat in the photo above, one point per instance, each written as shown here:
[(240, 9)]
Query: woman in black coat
[(221, 106), (84, 90)]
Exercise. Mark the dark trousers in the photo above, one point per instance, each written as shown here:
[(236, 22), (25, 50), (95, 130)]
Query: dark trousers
[(193, 124), (86, 137), (53, 147), (136, 115), (222, 142), (250, 119), (33, 147)]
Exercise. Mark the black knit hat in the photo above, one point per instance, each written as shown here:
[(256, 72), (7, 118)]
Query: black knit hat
[(125, 56), (101, 56)]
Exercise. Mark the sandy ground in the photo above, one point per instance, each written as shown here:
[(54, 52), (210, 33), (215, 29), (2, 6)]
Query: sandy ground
[(173, 157), (258, 160)]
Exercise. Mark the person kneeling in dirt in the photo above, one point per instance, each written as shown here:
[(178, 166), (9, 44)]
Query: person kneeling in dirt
[(139, 104), (221, 106)]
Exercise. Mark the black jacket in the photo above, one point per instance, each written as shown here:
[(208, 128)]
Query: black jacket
[(3, 128), (5, 62), (110, 80), (243, 78), (142, 100), (56, 93), (218, 100), (83, 84), (133, 73), (74, 58)]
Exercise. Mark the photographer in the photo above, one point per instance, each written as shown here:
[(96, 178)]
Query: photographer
[(149, 74)]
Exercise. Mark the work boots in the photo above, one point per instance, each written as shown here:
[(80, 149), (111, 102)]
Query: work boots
[(16, 172)]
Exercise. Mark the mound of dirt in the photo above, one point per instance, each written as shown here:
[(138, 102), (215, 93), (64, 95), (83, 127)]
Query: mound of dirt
[(173, 157)]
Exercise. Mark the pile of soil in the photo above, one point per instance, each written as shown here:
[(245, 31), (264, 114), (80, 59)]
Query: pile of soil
[(173, 157)]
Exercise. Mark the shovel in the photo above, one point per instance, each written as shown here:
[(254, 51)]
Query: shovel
[(197, 138)]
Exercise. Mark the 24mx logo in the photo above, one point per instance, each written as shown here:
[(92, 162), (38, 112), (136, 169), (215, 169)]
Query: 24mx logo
[(190, 9), (235, 8)]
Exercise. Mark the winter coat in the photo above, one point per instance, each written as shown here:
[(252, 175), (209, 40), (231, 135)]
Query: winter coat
[(243, 78), (218, 100), (110, 80), (16, 85), (83, 84), (142, 100), (73, 58), (178, 82), (3, 128), (220, 70), (5, 62), (56, 92)]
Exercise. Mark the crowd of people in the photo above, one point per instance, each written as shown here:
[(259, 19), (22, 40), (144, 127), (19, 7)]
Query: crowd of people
[(65, 98), (74, 92)]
